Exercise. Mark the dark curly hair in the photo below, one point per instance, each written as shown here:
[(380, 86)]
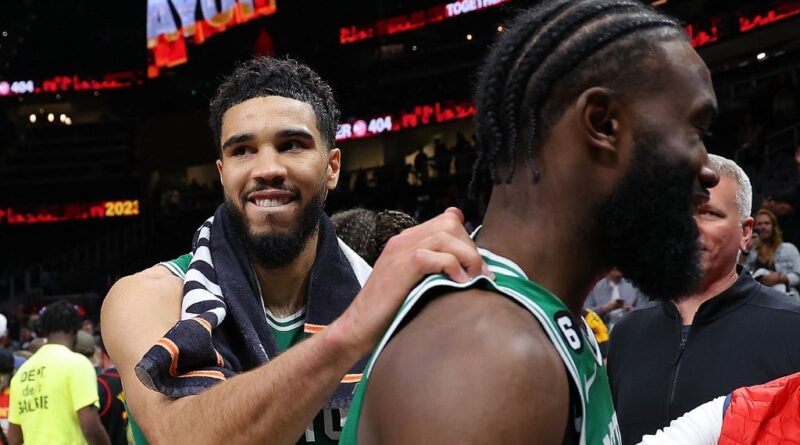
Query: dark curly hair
[(546, 57), (267, 76), (60, 316), (367, 232)]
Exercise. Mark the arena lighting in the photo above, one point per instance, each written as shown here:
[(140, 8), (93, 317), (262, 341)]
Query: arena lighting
[(469, 36), (62, 118), (69, 212), (414, 20), (419, 116), (32, 118), (167, 32), (761, 56), (500, 28), (51, 117), (62, 84), (68, 121), (708, 31)]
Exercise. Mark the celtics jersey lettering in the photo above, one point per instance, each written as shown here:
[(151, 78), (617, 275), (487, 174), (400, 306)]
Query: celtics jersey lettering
[(287, 331), (573, 340)]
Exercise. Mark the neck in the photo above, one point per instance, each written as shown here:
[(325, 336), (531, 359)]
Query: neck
[(543, 243), (284, 289), (710, 288), (61, 338)]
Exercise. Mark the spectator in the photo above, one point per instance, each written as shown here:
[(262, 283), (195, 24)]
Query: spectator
[(441, 158), (6, 372), (6, 342), (112, 400), (784, 206), (772, 262), (464, 155), (367, 232), (88, 327), (670, 357), (750, 140), (613, 297), (598, 327), (421, 165), (54, 393)]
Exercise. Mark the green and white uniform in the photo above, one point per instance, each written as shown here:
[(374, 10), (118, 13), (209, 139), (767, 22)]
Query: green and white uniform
[(596, 422), (286, 331)]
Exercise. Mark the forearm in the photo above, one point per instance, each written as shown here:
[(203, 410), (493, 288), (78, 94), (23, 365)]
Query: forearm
[(97, 436), (792, 279), (700, 426), (275, 402)]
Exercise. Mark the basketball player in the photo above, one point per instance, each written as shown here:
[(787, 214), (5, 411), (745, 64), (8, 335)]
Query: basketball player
[(591, 117)]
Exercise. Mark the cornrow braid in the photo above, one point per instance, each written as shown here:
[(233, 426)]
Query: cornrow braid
[(556, 50), (550, 37), (518, 32)]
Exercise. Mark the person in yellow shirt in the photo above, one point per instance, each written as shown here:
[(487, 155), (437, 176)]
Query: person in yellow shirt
[(54, 393)]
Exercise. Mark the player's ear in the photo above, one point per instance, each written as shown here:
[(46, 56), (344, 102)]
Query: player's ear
[(602, 121), (334, 167)]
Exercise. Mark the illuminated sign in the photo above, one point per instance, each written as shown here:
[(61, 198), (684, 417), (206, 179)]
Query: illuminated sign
[(414, 20), (782, 12), (63, 84), (69, 212), (166, 31), (712, 29), (421, 115)]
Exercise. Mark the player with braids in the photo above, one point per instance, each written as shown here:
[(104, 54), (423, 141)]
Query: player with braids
[(552, 51), (607, 103)]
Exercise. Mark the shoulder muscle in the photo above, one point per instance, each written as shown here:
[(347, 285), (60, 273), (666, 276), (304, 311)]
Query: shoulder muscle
[(477, 368)]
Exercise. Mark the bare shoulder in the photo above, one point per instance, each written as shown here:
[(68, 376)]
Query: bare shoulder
[(138, 310), (478, 366)]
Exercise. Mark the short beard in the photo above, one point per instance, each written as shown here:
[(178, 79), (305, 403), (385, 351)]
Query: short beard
[(647, 226), (274, 250)]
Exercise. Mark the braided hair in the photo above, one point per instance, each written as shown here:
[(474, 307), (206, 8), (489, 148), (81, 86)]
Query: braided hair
[(60, 316), (367, 232), (546, 57)]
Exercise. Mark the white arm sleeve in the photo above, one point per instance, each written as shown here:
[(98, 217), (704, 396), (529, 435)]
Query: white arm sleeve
[(700, 426)]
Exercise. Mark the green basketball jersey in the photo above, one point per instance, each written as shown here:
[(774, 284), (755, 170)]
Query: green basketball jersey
[(287, 331), (575, 344)]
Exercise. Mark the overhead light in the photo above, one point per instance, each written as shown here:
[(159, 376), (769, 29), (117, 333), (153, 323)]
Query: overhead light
[(62, 118), (5, 33), (469, 36), (68, 121), (58, 96), (414, 48), (51, 117), (32, 118), (761, 56), (500, 28)]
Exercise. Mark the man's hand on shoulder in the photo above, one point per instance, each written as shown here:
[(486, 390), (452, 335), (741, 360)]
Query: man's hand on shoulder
[(472, 368), (440, 245)]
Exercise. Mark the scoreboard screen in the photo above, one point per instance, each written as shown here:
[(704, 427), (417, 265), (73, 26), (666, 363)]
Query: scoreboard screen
[(173, 23)]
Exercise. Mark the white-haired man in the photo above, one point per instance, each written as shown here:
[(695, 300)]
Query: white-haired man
[(670, 357)]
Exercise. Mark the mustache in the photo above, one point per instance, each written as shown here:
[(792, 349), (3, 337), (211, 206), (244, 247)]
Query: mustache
[(260, 187)]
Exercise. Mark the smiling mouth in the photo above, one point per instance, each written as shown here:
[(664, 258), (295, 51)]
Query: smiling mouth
[(271, 202)]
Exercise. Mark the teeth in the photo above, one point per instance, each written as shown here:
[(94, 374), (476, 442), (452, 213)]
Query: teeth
[(269, 202)]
